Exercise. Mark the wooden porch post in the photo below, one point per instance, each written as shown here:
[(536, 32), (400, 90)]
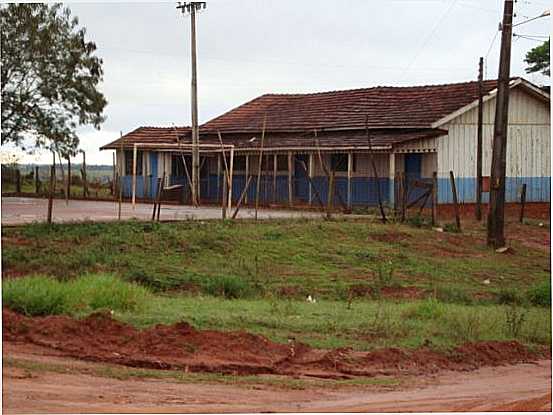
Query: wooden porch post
[(311, 166), (392, 175), (231, 174), (134, 176), (290, 197), (219, 176), (350, 171), (274, 178), (247, 176)]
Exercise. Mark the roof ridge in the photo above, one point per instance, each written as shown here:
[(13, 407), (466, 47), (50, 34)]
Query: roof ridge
[(303, 94)]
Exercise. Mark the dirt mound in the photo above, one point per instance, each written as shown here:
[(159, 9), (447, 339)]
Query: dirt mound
[(182, 347)]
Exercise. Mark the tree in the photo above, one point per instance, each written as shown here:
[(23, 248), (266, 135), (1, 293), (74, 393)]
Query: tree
[(538, 59), (49, 79)]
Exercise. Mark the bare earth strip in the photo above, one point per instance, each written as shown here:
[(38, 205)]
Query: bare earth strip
[(522, 387), (21, 210)]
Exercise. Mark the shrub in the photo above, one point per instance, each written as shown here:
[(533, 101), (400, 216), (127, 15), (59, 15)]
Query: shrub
[(40, 296), (466, 325), (509, 296), (106, 291), (429, 309), (540, 294), (35, 296), (453, 295), (228, 286), (514, 320)]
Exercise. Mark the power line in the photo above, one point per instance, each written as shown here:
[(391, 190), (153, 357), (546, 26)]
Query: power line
[(442, 17)]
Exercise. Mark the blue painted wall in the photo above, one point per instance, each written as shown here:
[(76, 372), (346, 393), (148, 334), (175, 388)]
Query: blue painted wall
[(538, 189), (363, 189)]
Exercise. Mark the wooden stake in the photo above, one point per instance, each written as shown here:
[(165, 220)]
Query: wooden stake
[(330, 195), (404, 195), (522, 202), (113, 174), (68, 191), (17, 181), (375, 171), (244, 192), (85, 183), (160, 195), (434, 198), (275, 178), (258, 184), (157, 198), (455, 203), (37, 181)]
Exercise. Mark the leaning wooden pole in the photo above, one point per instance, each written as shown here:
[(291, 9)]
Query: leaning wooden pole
[(85, 183), (522, 203), (260, 164), (68, 181), (455, 201), (375, 171), (330, 178), (496, 210), (478, 210)]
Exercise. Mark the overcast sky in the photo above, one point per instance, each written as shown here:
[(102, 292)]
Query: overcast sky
[(248, 48)]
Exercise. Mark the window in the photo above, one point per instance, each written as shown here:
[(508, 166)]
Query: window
[(129, 161), (177, 165), (282, 162), (240, 163), (339, 162)]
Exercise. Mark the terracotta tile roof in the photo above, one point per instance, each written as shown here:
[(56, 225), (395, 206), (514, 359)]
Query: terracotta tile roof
[(154, 135), (386, 107)]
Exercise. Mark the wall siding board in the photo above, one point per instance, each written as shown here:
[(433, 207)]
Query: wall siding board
[(528, 150)]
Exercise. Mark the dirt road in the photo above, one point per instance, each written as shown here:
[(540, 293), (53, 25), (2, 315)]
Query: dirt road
[(522, 387), (21, 210)]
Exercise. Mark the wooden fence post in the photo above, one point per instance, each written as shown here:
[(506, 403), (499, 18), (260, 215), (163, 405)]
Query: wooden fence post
[(37, 181), (455, 202), (51, 189), (522, 202), (17, 181), (404, 194)]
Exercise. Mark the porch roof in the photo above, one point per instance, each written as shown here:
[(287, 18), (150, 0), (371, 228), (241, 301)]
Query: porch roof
[(179, 139)]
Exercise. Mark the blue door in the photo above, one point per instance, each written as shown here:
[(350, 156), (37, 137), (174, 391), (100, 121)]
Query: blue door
[(413, 171), (301, 185), (413, 166)]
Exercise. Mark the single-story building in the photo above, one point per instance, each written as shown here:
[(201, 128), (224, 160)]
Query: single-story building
[(412, 130)]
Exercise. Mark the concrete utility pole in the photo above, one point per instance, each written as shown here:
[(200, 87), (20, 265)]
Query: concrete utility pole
[(496, 211), (192, 7), (479, 140)]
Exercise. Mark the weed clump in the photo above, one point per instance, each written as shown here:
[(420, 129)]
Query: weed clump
[(540, 294), (41, 296), (228, 286)]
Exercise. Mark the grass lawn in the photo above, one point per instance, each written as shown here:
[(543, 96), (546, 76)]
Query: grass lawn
[(375, 285)]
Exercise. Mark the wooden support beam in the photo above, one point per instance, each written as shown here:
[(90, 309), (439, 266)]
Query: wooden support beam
[(231, 174), (258, 183), (274, 178), (219, 192), (350, 173), (85, 182), (224, 198), (290, 193), (391, 176), (310, 177), (134, 154), (247, 176)]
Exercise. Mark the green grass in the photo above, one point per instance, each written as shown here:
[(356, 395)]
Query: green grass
[(40, 296), (295, 258), (365, 325)]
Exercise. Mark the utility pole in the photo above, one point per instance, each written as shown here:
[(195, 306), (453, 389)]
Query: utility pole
[(192, 7), (479, 140), (496, 211)]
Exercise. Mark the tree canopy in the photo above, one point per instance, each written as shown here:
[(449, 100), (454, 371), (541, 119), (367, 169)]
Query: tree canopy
[(538, 59), (50, 78)]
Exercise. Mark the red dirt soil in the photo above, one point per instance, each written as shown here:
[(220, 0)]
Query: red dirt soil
[(179, 346)]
